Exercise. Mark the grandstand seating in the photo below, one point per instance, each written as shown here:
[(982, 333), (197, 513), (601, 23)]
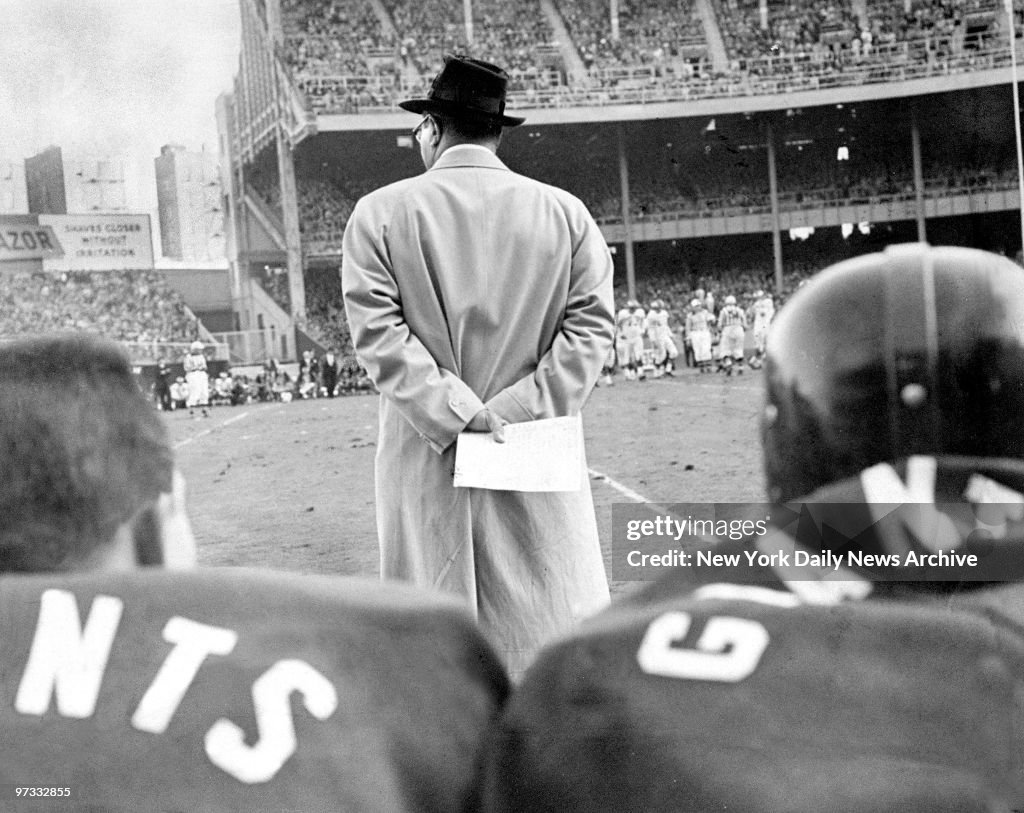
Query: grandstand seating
[(366, 56), (357, 57), (136, 307)]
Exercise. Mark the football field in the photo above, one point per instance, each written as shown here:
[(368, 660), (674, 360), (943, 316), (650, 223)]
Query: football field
[(290, 486)]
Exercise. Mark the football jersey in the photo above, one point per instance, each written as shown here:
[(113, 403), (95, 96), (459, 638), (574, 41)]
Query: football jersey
[(657, 325), (731, 316), (237, 690), (763, 310), (633, 325), (704, 692), (194, 362), (698, 321)]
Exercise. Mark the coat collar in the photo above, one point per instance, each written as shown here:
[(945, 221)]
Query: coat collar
[(468, 155)]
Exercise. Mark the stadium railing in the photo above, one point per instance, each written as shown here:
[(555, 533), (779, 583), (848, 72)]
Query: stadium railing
[(888, 62), (153, 352), (247, 346)]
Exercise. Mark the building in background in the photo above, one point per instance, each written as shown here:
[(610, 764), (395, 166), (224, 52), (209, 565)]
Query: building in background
[(190, 205), (12, 187), (59, 183)]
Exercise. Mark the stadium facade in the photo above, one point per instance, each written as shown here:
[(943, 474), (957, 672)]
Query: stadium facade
[(700, 156)]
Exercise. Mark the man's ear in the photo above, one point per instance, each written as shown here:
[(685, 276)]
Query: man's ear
[(172, 532)]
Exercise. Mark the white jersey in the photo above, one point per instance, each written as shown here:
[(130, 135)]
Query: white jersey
[(762, 312), (657, 325)]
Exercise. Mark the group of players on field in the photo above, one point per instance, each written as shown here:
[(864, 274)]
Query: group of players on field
[(645, 341)]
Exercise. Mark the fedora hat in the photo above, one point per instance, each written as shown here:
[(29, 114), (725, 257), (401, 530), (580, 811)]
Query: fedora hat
[(466, 88)]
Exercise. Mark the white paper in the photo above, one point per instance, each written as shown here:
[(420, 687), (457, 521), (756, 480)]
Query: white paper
[(545, 455)]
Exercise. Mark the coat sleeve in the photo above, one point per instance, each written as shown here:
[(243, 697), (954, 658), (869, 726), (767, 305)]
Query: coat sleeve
[(567, 372), (436, 402)]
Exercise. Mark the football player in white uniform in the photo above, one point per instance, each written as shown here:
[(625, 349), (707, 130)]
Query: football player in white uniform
[(660, 335), (630, 324), (698, 334), (732, 323), (198, 380), (760, 317)]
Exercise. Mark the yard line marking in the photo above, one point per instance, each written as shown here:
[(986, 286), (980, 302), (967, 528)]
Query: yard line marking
[(206, 432), (188, 440), (722, 385), (625, 491)]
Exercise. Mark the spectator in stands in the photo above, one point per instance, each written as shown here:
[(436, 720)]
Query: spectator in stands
[(139, 683), (452, 350)]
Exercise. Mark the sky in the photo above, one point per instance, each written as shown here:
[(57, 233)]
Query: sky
[(120, 73), (117, 77)]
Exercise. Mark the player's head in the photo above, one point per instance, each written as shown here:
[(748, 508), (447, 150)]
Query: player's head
[(632, 304), (695, 304), (917, 350), (656, 305), (758, 294), (88, 474), (196, 347), (730, 300)]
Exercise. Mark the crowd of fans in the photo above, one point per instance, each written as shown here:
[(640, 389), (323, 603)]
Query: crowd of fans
[(136, 307), (324, 207), (354, 57)]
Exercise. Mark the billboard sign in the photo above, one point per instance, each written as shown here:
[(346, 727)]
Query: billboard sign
[(101, 242), (23, 238)]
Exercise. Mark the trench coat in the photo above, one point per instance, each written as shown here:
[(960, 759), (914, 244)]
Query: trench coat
[(466, 286)]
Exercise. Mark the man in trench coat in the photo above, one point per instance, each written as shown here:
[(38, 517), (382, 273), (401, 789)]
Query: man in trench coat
[(478, 297)]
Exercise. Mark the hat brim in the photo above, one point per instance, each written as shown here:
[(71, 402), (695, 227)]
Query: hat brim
[(455, 109)]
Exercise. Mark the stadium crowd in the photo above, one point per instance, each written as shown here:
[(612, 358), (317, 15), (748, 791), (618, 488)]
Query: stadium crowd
[(324, 207), (348, 58), (130, 306)]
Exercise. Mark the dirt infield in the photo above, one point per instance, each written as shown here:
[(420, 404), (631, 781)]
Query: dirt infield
[(290, 486)]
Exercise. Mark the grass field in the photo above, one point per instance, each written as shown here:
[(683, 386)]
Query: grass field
[(290, 486)]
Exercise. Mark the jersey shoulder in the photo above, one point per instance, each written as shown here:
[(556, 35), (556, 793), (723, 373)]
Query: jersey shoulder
[(740, 697), (241, 690)]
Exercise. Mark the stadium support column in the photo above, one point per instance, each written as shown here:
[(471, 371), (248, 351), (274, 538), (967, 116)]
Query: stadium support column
[(627, 224), (613, 18), (773, 192), (915, 142), (292, 240), (467, 13)]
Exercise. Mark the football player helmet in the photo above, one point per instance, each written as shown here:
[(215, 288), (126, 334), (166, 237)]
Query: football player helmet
[(730, 300), (916, 350)]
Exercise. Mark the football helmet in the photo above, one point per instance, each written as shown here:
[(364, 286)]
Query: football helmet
[(915, 350), (730, 300)]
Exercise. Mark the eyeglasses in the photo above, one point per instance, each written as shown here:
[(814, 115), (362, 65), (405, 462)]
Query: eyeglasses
[(416, 130)]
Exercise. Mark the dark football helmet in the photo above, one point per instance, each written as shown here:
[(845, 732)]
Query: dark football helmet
[(916, 350)]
